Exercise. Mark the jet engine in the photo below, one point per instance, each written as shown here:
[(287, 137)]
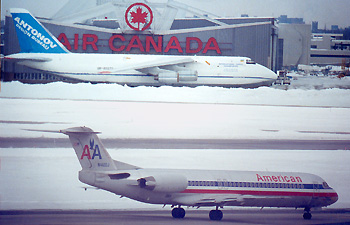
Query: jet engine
[(164, 183), (171, 77)]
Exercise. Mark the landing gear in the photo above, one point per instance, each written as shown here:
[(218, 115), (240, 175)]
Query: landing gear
[(215, 214), (307, 215), (178, 213)]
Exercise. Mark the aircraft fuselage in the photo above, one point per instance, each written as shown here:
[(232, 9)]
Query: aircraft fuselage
[(118, 68)]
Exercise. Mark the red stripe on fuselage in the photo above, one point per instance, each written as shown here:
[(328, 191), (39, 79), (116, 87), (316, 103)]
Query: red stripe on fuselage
[(261, 193)]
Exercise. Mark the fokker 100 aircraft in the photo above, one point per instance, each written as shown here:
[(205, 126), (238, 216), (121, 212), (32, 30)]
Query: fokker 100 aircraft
[(41, 50), (196, 188)]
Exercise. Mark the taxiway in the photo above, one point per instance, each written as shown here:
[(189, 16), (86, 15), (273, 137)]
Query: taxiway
[(240, 216)]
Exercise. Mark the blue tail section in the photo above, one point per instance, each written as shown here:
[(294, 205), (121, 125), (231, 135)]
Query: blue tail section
[(32, 36)]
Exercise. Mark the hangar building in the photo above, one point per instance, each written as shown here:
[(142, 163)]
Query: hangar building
[(92, 31)]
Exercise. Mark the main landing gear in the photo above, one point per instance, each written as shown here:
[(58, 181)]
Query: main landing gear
[(178, 213), (307, 215), (215, 214)]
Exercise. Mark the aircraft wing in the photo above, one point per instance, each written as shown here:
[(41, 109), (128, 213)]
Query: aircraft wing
[(152, 67), (222, 200), (209, 200), (26, 57)]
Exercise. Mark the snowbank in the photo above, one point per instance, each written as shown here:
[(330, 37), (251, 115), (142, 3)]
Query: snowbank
[(306, 96)]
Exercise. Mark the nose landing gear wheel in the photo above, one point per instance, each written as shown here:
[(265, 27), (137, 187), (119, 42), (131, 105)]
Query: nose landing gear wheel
[(307, 215), (178, 213), (215, 215)]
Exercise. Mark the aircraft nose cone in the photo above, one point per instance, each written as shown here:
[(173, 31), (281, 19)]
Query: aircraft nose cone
[(268, 74), (334, 198), (272, 75)]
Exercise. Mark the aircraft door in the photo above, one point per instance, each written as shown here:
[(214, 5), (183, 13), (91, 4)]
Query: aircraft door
[(316, 190)]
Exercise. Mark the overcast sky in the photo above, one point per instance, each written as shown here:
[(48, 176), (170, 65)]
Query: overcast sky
[(326, 12)]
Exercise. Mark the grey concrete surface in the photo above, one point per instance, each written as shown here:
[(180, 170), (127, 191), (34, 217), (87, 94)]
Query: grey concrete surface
[(231, 216)]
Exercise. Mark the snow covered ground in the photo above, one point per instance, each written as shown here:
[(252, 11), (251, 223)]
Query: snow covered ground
[(47, 178), (169, 112)]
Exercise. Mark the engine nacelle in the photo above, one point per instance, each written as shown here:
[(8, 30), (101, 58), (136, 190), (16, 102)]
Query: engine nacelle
[(164, 183), (172, 77), (188, 75)]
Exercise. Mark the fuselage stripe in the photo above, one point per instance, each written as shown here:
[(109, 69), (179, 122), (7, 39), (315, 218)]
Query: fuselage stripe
[(145, 75), (261, 193)]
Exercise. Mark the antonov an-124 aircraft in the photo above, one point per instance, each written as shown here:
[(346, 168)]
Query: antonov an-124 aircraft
[(196, 188), (41, 50)]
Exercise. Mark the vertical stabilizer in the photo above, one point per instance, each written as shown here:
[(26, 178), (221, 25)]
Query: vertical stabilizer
[(32, 36), (90, 151)]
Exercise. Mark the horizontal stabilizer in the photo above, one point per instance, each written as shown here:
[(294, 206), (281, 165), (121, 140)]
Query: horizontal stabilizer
[(26, 57), (48, 131), (78, 130), (75, 130)]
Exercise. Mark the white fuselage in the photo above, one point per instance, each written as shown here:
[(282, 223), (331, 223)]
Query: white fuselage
[(212, 70), (217, 188)]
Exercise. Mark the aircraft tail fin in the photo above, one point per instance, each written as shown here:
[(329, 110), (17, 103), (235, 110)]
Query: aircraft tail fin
[(32, 35), (90, 151)]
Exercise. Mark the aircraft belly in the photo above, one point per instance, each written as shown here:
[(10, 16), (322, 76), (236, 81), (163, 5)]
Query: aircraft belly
[(297, 201), (241, 200), (147, 80)]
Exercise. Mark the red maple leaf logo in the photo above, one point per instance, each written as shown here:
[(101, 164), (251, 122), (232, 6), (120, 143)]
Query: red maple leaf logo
[(138, 17), (138, 13)]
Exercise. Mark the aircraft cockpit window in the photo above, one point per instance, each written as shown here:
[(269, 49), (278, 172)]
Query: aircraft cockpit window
[(325, 185), (249, 61)]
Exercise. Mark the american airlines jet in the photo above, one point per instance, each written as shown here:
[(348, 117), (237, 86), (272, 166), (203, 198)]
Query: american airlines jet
[(42, 51), (196, 188)]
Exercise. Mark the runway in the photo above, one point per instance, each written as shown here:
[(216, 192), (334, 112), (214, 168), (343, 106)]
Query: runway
[(239, 216)]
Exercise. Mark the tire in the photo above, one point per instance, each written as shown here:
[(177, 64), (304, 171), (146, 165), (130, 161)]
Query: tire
[(178, 213), (215, 215), (307, 216)]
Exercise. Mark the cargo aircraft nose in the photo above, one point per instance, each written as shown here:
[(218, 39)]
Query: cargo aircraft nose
[(270, 74)]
